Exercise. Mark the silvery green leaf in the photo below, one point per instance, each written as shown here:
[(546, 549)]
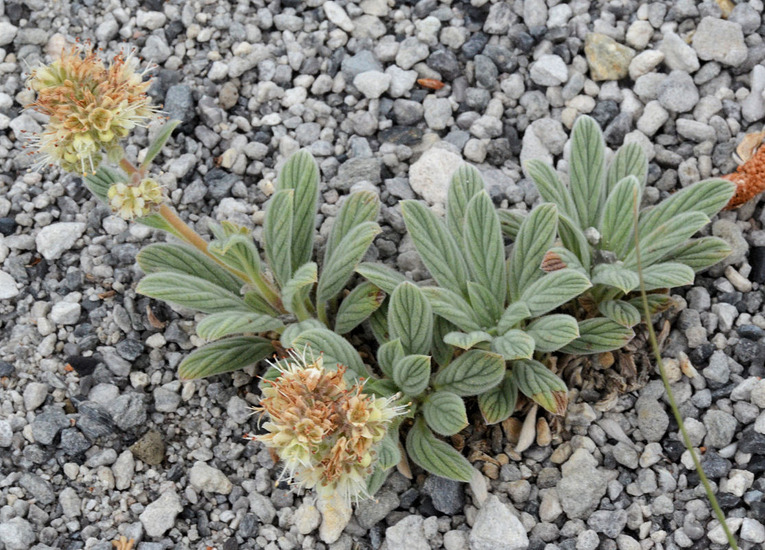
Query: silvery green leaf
[(294, 330), (618, 222), (535, 237), (359, 207), (514, 344), (700, 253), (514, 314), (558, 258), (452, 307), (388, 354), (277, 235), (378, 322), (410, 318), (224, 355), (436, 456), (381, 387), (615, 275), (587, 170), (552, 332), (377, 479), (550, 187), (486, 307), (388, 453), (708, 196), (355, 308), (498, 403), (239, 252), (296, 290), (336, 349), (484, 247), (258, 304), (466, 183), (411, 373), (667, 275), (179, 258), (466, 341), (538, 383), (442, 352), (573, 239), (340, 266), (445, 413), (629, 160), (598, 335), (620, 312), (159, 141), (471, 373), (301, 174), (554, 290), (510, 222), (191, 292), (100, 182), (228, 323), (381, 275), (436, 246), (665, 238), (656, 303)]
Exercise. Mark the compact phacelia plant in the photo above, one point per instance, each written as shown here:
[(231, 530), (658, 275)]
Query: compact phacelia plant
[(487, 328)]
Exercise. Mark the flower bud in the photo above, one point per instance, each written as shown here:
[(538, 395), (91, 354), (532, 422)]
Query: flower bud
[(135, 201)]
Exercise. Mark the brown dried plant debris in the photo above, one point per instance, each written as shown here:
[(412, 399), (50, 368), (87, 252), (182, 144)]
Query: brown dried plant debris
[(749, 177), (123, 543)]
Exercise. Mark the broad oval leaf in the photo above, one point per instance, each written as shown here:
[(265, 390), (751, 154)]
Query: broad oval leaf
[(599, 335), (277, 235), (336, 349), (436, 246), (587, 170), (700, 253), (358, 306), (297, 289), (667, 275), (378, 322), (514, 314), (538, 383), (549, 186), (629, 160), (442, 352), (471, 373), (340, 266), (498, 404), (159, 141), (411, 373), (552, 332), (510, 222), (225, 355), (617, 276), (359, 207), (452, 307), (410, 318), (388, 453), (388, 354), (514, 344), (227, 323), (466, 341), (665, 238), (191, 292), (618, 222), (554, 290), (485, 306), (620, 312), (535, 237), (484, 246), (301, 174), (466, 183), (436, 456), (381, 276), (294, 330), (445, 413)]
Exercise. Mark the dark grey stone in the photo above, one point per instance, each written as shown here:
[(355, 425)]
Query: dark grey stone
[(448, 496)]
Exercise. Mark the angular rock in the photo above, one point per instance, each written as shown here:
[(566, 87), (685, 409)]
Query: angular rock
[(582, 485), (206, 478), (608, 60), (720, 40), (55, 239), (159, 516), (497, 528), (407, 533), (430, 176)]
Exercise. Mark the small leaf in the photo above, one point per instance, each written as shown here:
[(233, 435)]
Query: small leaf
[(599, 335), (510, 222), (656, 303), (467, 341), (436, 246), (301, 174), (339, 268), (258, 304), (535, 237), (498, 404), (277, 235), (159, 142), (410, 318), (471, 373), (388, 354), (381, 387), (616, 276), (411, 373), (552, 332), (486, 307), (358, 306), (573, 239), (620, 312), (381, 276), (191, 292), (296, 290), (442, 352), (296, 329), (514, 344), (388, 453), (100, 182), (667, 275), (700, 253), (179, 258), (484, 246), (514, 314), (558, 258), (376, 479), (452, 307), (238, 252), (436, 456), (336, 349), (445, 413), (554, 290), (549, 186), (224, 355), (359, 207), (587, 170), (538, 383), (378, 322), (228, 323), (665, 238), (629, 160), (466, 183), (618, 222)]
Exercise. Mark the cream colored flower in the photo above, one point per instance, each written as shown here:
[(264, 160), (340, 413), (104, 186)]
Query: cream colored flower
[(135, 201)]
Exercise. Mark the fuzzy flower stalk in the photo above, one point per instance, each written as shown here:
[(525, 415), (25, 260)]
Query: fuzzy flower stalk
[(325, 430), (91, 107)]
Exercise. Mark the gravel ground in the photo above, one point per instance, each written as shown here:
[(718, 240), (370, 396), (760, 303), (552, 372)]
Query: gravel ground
[(118, 446)]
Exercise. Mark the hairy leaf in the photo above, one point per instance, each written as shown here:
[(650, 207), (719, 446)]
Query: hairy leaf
[(452, 307), (411, 373), (442, 351), (573, 239), (598, 335), (381, 387), (179, 258), (410, 318), (667, 275), (301, 174), (378, 322), (558, 258), (700, 253), (358, 306), (618, 222), (484, 247), (616, 276), (445, 413), (224, 355), (487, 309), (498, 404), (514, 314), (359, 207), (510, 222), (550, 187), (294, 330), (239, 252), (629, 160), (227, 323), (587, 170), (538, 383), (471, 373), (436, 456), (514, 344), (297, 289), (384, 277), (388, 354), (339, 268), (159, 141), (552, 332), (277, 235), (665, 238), (191, 292), (336, 349), (554, 290), (466, 341), (388, 453), (466, 183), (656, 303), (535, 237), (620, 312), (377, 479)]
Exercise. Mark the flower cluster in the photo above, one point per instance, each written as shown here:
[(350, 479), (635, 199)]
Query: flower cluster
[(323, 429), (91, 107), (135, 201)]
